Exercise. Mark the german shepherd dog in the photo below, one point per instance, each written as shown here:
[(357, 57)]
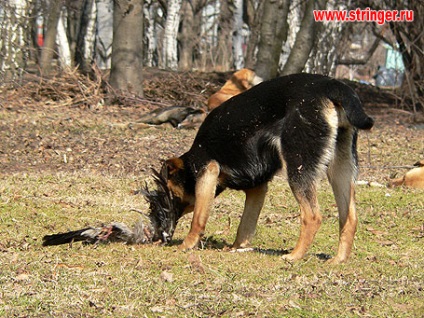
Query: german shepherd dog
[(305, 124), (302, 123)]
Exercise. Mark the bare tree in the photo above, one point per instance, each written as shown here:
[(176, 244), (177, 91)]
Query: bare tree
[(324, 55), (253, 16), (150, 8), (127, 48), (237, 34), (410, 39), (225, 27), (303, 45), (84, 49), (14, 38), (170, 57), (273, 32), (189, 35), (48, 49)]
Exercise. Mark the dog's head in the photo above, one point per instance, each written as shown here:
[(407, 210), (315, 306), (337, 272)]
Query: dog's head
[(246, 78), (168, 202)]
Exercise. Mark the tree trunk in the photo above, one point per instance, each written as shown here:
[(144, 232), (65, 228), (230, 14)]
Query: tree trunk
[(170, 54), (86, 36), (191, 14), (127, 58), (273, 32), (302, 47), (73, 23), (104, 35), (237, 35), (323, 57), (64, 51), (225, 27), (150, 11), (254, 16), (15, 34), (48, 50)]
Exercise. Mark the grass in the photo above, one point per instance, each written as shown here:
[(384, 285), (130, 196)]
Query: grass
[(384, 277)]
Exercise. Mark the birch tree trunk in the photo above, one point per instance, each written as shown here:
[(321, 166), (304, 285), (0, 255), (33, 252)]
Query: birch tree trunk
[(15, 37), (127, 49), (324, 54), (150, 9), (170, 53), (273, 32), (104, 34), (237, 35), (64, 51), (304, 43)]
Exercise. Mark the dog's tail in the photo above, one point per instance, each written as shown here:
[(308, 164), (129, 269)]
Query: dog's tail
[(344, 96)]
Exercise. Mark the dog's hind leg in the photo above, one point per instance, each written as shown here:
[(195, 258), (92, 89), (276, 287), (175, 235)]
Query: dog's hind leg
[(310, 219), (205, 193), (341, 175), (253, 205)]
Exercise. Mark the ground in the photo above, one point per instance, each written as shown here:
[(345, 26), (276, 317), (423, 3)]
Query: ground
[(68, 160), (64, 125)]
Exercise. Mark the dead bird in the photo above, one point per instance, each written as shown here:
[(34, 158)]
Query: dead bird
[(157, 226), (173, 115)]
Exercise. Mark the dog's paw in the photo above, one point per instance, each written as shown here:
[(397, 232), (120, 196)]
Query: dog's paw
[(292, 257), (190, 242), (240, 244)]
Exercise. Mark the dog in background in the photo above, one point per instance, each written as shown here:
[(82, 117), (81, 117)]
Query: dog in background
[(239, 82), (305, 124), (414, 178)]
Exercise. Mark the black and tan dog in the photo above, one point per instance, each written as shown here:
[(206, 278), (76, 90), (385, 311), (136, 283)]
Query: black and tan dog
[(305, 124)]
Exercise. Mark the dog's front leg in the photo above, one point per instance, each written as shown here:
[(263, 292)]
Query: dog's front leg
[(253, 205), (205, 193)]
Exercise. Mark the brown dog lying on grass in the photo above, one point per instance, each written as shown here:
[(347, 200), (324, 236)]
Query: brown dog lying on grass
[(305, 124), (414, 178), (239, 82)]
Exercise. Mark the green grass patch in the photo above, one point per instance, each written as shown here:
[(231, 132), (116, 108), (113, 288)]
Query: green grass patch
[(384, 277)]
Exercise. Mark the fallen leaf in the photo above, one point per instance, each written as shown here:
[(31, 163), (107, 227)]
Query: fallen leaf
[(22, 276), (167, 277), (196, 263)]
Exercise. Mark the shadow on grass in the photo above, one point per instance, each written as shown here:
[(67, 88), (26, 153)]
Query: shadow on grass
[(212, 243)]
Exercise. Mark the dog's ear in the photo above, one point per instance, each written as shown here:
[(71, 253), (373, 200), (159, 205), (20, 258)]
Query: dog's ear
[(419, 163), (173, 165)]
